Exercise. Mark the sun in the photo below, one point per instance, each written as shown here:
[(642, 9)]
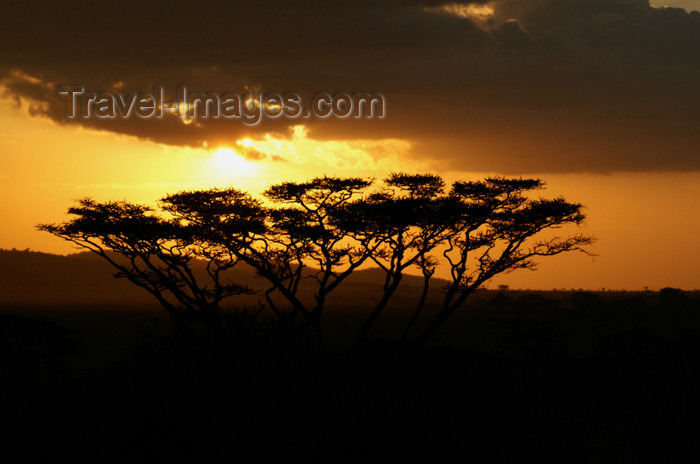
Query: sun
[(228, 161)]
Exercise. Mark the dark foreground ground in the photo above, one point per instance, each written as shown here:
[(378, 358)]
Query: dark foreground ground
[(555, 377)]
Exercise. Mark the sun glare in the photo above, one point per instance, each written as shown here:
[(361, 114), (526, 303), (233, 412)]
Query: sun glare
[(228, 161)]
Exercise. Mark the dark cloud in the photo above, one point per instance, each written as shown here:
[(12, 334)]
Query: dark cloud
[(540, 85)]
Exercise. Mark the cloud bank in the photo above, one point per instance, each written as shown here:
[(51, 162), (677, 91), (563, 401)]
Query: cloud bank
[(514, 86)]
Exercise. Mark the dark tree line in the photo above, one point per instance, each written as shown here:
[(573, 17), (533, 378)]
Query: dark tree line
[(321, 231)]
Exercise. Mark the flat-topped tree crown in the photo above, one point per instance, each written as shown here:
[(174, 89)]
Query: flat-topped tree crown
[(117, 224), (417, 185), (319, 232), (408, 200), (227, 212), (156, 254), (497, 191), (318, 193)]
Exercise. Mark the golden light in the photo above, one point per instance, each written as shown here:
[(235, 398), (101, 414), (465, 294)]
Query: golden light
[(466, 10), (226, 161), (245, 142)]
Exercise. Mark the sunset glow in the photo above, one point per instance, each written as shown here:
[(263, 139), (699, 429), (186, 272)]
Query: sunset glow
[(231, 162), (483, 117), (330, 231)]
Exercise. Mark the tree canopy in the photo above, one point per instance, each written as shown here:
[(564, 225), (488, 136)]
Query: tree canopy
[(318, 233)]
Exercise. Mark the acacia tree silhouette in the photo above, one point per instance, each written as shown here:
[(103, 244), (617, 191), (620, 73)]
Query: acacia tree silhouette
[(492, 232), (311, 219), (239, 229), (155, 254), (408, 220), (320, 232)]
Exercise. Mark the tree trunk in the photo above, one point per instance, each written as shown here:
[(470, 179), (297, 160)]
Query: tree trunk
[(419, 307), (369, 322)]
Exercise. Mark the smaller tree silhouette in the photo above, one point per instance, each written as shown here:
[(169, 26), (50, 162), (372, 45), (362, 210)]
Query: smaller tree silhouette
[(496, 229), (308, 231), (235, 227), (155, 254), (404, 222)]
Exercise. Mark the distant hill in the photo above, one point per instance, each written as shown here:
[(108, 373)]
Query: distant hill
[(33, 278), (29, 278)]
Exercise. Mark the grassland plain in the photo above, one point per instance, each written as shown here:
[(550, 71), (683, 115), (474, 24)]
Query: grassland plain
[(93, 371)]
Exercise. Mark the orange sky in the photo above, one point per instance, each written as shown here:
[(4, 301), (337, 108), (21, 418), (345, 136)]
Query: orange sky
[(647, 223), (598, 98)]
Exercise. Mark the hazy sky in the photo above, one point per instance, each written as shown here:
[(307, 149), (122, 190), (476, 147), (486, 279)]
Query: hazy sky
[(600, 98)]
